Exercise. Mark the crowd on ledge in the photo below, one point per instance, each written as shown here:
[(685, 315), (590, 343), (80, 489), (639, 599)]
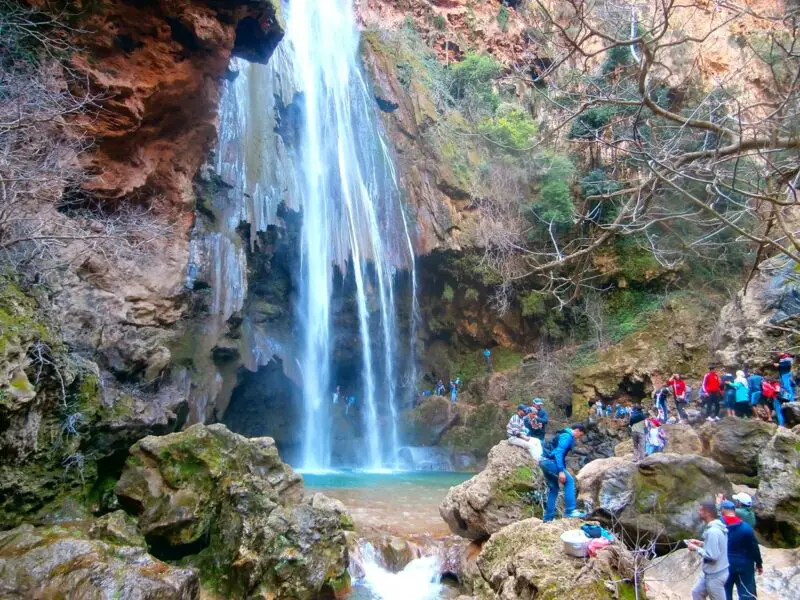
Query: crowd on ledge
[(729, 549)]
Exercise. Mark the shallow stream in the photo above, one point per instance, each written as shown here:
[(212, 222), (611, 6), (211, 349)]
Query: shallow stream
[(403, 504)]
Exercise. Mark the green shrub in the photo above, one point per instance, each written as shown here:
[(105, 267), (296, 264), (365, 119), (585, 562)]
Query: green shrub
[(448, 293), (472, 295), (591, 121), (597, 183), (618, 56), (555, 199), (439, 22), (475, 72), (513, 130), (532, 304), (503, 16)]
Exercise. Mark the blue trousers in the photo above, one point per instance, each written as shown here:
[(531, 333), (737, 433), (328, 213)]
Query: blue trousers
[(550, 470), (755, 397), (776, 405), (787, 387), (662, 408), (745, 582)]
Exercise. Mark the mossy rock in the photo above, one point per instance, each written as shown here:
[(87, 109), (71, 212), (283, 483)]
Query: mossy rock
[(526, 559)]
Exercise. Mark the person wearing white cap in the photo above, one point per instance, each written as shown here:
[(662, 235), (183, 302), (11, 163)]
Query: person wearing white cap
[(744, 508)]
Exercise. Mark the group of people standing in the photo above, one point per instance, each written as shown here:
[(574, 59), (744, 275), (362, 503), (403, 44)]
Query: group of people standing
[(741, 394), (729, 550)]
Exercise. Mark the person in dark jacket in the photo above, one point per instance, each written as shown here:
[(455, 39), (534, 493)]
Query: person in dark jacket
[(554, 467), (537, 421), (638, 429), (744, 555)]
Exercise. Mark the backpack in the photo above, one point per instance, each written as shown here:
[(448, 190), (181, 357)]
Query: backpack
[(549, 445), (688, 395), (767, 390)]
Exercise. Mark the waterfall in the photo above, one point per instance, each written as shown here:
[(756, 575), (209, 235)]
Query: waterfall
[(419, 580), (332, 166)]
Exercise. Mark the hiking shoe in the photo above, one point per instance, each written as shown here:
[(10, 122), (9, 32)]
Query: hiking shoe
[(710, 419), (575, 514)]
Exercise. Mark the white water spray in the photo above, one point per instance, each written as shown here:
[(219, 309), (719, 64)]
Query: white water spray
[(338, 173)]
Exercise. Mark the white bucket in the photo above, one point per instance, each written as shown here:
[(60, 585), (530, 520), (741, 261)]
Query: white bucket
[(575, 543)]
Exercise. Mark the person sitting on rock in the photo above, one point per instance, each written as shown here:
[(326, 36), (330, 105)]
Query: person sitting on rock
[(554, 467), (537, 420), (656, 438), (744, 555), (714, 552), (515, 430)]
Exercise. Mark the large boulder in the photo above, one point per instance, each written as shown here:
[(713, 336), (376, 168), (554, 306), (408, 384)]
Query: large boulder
[(526, 560), (231, 506), (656, 499), (736, 443), (497, 496), (105, 558), (426, 423), (778, 500)]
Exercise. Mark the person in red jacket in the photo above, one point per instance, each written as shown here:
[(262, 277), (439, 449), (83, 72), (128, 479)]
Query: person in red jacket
[(712, 393), (678, 387)]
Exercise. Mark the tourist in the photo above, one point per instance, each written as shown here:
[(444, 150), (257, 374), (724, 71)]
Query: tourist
[(754, 382), (351, 402), (598, 408), (743, 504), (515, 430), (714, 552), (440, 388), (712, 393), (487, 354), (453, 391), (660, 396), (678, 386), (620, 412), (785, 375), (336, 395), (744, 508), (656, 438), (771, 395), (744, 555), (554, 467), (538, 420), (638, 425), (742, 396), (729, 393)]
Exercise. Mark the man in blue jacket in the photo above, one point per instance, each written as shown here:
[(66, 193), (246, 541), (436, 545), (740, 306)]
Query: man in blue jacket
[(744, 555), (554, 467)]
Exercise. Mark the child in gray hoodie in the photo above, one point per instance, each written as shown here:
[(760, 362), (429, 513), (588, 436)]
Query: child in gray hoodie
[(714, 552)]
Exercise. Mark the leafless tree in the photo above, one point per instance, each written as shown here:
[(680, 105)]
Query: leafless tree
[(44, 219), (700, 159)]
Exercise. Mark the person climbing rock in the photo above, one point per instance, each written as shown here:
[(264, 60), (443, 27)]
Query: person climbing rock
[(453, 391), (771, 396), (638, 425), (714, 552), (678, 387), (660, 397), (712, 393), (554, 467), (784, 366), (487, 354), (656, 439), (515, 430), (744, 555), (741, 389)]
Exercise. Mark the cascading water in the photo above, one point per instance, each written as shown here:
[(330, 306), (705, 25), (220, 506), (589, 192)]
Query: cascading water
[(335, 169)]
